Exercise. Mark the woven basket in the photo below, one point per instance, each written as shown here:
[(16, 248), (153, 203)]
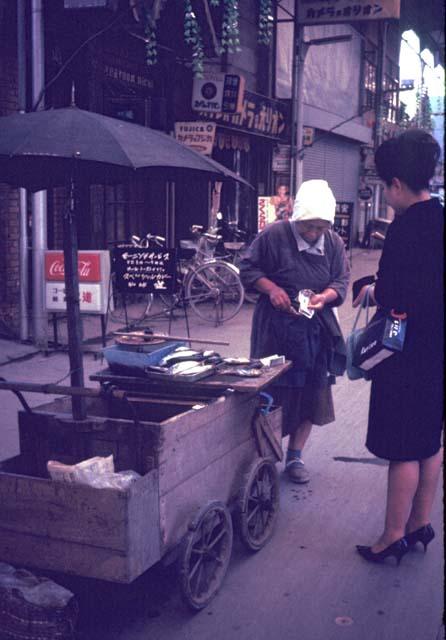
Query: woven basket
[(35, 608)]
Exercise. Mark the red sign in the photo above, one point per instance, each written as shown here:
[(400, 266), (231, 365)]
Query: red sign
[(89, 266)]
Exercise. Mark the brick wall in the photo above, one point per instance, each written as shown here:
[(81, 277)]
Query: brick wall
[(9, 198)]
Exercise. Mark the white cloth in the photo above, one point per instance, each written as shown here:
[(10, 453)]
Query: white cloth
[(314, 201)]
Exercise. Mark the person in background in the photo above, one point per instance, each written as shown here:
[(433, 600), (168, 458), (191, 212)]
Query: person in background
[(283, 202), (283, 259), (406, 403)]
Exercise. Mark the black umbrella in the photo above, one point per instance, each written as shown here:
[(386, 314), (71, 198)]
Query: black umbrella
[(66, 146), (37, 150)]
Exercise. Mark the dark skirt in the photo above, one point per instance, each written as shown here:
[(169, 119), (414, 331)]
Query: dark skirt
[(300, 404), (406, 408)]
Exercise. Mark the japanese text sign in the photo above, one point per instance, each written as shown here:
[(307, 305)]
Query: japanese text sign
[(329, 11), (343, 221), (94, 276), (144, 270), (218, 92), (260, 115), (198, 136)]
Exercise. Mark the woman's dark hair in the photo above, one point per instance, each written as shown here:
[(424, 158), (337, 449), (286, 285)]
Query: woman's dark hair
[(411, 157)]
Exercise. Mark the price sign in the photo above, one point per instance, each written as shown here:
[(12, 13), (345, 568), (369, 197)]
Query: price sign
[(144, 270)]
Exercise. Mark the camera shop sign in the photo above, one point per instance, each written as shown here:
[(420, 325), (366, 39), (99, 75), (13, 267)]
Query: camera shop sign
[(198, 136), (94, 277), (260, 115), (330, 11), (218, 93)]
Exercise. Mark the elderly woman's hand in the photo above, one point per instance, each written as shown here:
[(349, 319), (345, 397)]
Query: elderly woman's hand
[(317, 301), (280, 299)]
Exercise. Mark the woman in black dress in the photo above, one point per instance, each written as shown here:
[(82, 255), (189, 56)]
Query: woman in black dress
[(406, 403)]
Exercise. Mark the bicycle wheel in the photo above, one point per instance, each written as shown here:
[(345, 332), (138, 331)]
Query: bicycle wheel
[(251, 295), (214, 291), (130, 308)]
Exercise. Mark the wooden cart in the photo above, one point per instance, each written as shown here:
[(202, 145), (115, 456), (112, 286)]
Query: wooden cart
[(205, 452)]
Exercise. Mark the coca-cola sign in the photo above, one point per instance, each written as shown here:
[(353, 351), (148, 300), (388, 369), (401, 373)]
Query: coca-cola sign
[(89, 266)]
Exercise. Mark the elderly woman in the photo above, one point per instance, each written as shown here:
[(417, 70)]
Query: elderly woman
[(406, 402), (285, 258)]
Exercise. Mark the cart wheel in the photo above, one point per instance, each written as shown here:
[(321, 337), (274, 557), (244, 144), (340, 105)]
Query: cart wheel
[(205, 555), (258, 504)]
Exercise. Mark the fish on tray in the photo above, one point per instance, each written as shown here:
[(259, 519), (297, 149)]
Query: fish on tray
[(183, 354), (187, 367)]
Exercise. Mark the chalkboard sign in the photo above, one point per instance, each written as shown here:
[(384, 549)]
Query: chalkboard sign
[(144, 270), (343, 221)]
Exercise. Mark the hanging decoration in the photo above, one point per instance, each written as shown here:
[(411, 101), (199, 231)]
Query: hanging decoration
[(266, 20), (192, 37), (148, 12), (150, 37), (230, 34)]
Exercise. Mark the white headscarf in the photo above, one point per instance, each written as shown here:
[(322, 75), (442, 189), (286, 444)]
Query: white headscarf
[(314, 201)]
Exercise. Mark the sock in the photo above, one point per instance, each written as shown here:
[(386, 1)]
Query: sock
[(293, 453)]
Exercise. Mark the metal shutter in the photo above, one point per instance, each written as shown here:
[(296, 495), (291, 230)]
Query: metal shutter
[(336, 160)]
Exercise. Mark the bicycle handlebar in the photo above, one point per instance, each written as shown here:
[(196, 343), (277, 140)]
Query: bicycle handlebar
[(211, 236), (157, 239), (145, 242)]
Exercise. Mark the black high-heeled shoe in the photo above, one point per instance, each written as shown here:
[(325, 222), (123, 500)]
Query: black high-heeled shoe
[(398, 549), (424, 535)]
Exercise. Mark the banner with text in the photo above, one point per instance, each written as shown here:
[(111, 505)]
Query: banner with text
[(266, 212), (330, 11)]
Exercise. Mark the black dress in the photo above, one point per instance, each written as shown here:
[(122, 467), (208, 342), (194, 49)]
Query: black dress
[(406, 403)]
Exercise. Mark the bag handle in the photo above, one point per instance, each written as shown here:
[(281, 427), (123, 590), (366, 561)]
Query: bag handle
[(361, 307)]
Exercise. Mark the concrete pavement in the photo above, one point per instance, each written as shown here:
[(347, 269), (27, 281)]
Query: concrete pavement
[(307, 583)]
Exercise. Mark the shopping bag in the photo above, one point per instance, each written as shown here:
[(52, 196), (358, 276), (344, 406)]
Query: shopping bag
[(382, 337), (379, 339), (353, 372)]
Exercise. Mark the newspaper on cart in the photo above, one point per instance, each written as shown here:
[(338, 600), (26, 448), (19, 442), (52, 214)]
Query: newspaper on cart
[(96, 472)]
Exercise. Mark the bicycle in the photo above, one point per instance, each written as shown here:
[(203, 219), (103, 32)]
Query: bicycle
[(209, 285), (131, 308), (233, 248)]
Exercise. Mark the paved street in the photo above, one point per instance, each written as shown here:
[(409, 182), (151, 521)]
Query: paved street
[(308, 583)]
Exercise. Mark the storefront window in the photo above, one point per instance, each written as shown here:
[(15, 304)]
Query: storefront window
[(390, 89), (369, 94)]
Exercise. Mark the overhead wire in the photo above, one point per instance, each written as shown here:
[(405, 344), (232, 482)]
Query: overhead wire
[(74, 54)]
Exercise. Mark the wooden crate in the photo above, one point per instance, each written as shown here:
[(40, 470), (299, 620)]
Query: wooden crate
[(99, 533), (189, 457), (128, 431)]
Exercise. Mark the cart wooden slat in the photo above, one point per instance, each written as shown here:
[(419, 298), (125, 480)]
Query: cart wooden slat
[(191, 452)]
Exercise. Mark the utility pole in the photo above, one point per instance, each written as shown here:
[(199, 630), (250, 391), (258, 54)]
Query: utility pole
[(39, 199), (382, 33), (294, 100), (23, 241)]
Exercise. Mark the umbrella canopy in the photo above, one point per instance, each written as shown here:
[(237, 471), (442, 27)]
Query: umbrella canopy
[(70, 146), (37, 150)]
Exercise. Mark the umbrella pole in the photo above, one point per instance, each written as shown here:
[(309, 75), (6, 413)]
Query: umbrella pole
[(74, 323)]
